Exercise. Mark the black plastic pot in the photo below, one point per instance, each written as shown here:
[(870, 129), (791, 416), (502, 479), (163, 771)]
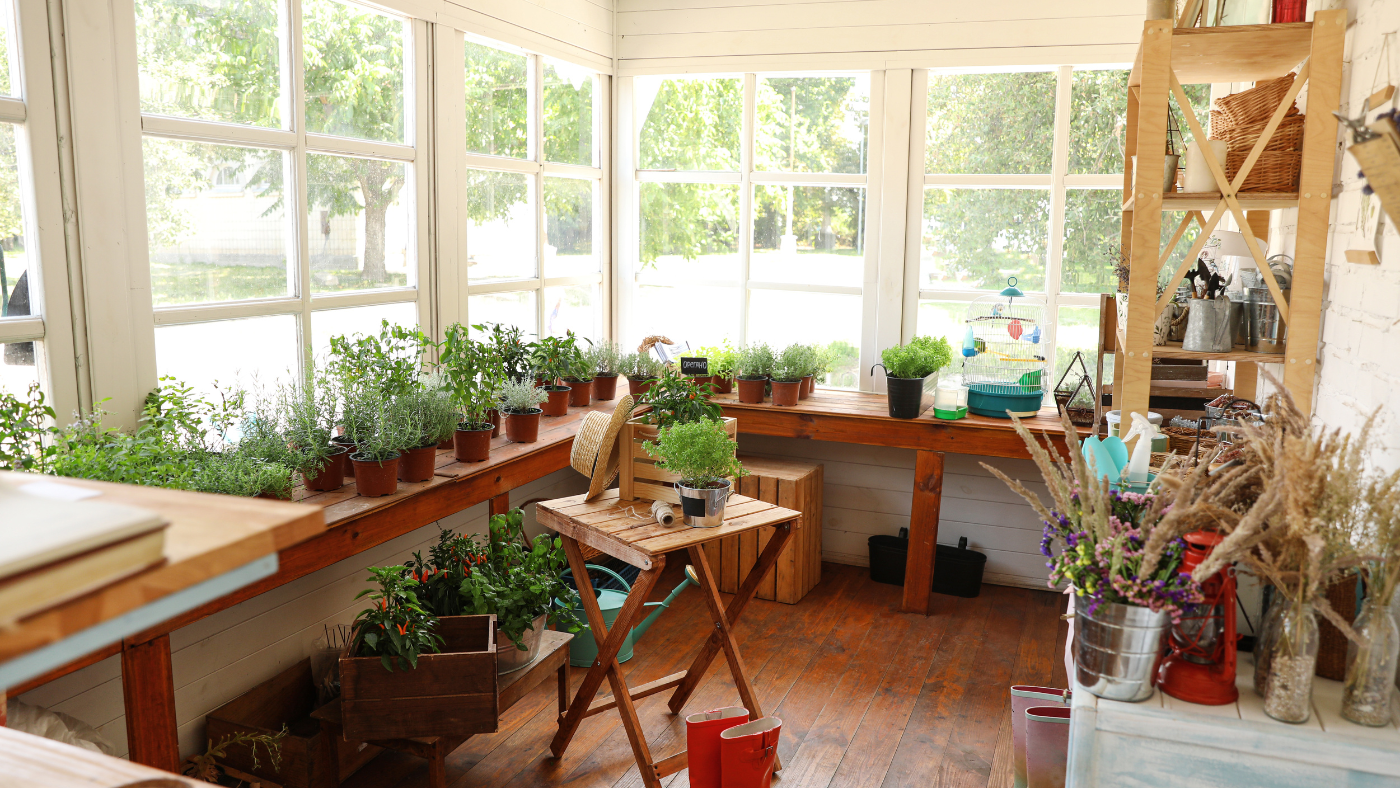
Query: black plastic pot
[(957, 571), (908, 397)]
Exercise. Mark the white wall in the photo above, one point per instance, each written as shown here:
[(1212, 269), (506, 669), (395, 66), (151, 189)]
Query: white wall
[(580, 31), (219, 658)]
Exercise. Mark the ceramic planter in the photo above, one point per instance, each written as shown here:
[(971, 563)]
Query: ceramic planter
[(332, 474), (472, 442), (558, 402), (523, 427), (751, 389), (809, 384), (580, 393), (786, 392), (350, 448), (416, 465), (605, 387), (375, 478), (639, 386)]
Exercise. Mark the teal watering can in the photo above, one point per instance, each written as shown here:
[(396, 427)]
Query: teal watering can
[(583, 650)]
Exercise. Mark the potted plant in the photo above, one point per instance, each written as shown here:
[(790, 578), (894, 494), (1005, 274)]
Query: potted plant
[(791, 367), (754, 363), (722, 360), (310, 409), (675, 398), (519, 402), (552, 358), (814, 364), (508, 347), (434, 417), (606, 360), (641, 370), (702, 454), (911, 374), (580, 381), (379, 446), (474, 373)]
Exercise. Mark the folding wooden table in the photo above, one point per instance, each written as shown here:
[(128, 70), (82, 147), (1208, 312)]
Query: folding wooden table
[(622, 531)]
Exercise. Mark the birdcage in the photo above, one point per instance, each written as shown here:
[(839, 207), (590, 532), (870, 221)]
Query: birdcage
[(1004, 354)]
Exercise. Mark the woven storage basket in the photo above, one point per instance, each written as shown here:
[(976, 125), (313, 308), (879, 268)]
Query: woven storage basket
[(1332, 644), (1288, 135), (1257, 103), (1275, 171)]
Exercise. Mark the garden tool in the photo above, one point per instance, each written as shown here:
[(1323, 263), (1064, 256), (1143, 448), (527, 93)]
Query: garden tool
[(583, 650), (702, 732), (748, 752)]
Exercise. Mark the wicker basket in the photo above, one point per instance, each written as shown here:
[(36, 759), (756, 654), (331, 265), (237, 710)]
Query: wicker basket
[(1288, 135), (1332, 644), (1257, 103), (1275, 171)]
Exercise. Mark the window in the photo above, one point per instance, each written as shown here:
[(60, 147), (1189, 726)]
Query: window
[(1022, 177), (533, 180), (752, 230), (282, 180)]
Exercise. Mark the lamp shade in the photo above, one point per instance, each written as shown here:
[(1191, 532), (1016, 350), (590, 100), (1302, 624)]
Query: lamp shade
[(1232, 244)]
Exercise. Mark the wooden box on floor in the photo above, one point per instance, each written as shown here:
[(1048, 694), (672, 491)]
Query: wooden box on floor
[(310, 757), (638, 476), (449, 694), (793, 485)]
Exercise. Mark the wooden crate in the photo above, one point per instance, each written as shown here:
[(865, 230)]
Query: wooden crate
[(787, 483), (452, 693), (638, 476), (311, 758)]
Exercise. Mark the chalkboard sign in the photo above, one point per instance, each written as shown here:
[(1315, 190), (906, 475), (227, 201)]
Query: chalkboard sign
[(695, 366)]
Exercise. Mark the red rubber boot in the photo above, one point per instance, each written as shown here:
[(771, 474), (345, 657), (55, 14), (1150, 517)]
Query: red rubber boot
[(702, 733), (747, 753)]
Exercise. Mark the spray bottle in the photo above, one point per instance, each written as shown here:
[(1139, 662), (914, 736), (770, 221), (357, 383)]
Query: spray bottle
[(1141, 459)]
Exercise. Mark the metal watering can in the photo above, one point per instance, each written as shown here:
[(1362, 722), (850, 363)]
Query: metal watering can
[(583, 650)]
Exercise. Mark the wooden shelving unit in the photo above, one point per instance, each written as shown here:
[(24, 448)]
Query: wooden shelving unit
[(1167, 58)]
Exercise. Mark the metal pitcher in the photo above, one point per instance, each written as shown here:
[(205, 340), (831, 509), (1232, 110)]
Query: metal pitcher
[(1117, 649), (1208, 327), (704, 507)]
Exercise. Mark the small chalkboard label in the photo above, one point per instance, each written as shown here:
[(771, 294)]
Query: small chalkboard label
[(695, 366)]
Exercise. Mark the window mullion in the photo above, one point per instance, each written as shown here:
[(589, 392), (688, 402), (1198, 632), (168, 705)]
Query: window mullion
[(298, 183), (1059, 162), (536, 99), (746, 134)]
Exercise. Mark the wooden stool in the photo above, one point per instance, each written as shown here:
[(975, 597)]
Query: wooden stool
[(790, 484), (643, 543), (553, 658)]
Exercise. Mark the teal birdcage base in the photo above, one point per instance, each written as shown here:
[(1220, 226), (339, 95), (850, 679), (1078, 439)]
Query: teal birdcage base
[(995, 400)]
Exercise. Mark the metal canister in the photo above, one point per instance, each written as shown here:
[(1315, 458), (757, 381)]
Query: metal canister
[(1239, 319), (1117, 649), (1267, 331), (1208, 327)]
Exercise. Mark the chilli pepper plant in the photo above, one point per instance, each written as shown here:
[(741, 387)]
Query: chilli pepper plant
[(553, 358), (395, 627), (448, 564), (676, 399)]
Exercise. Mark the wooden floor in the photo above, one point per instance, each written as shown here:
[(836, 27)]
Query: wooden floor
[(868, 696)]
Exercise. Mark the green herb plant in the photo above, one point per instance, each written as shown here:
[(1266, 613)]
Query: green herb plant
[(605, 357), (755, 362), (582, 370), (520, 397), (395, 627), (28, 434), (640, 366), (392, 429), (700, 452), (921, 357), (794, 363), (310, 410), (390, 360), (674, 398), (474, 371), (723, 359), (431, 411), (520, 581)]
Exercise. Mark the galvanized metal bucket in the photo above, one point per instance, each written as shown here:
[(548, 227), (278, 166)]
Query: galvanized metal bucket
[(703, 507), (509, 658), (1208, 326), (1117, 649)]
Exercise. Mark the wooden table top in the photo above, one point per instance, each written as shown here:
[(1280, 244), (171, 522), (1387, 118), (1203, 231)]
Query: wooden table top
[(27, 760), (208, 536), (626, 530)]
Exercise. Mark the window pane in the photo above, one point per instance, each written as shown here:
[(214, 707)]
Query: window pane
[(690, 230), (360, 230), (990, 123), (1078, 330), (500, 226), (18, 371), (215, 223), (1093, 237), (516, 308), (255, 350), (357, 320), (809, 235), (782, 318), (354, 71), (15, 285), (1098, 122), (698, 314), (568, 113), (975, 238), (498, 102), (944, 319), (210, 60), (573, 308), (689, 124), (813, 124), (568, 213), (9, 57)]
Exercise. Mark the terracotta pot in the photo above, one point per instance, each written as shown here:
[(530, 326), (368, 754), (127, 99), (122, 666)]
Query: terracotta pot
[(639, 386), (523, 427), (786, 392), (332, 474), (605, 387), (350, 448), (723, 385), (416, 465), (447, 444), (472, 442), (580, 393), (373, 478), (808, 384), (752, 390), (558, 403), (494, 416)]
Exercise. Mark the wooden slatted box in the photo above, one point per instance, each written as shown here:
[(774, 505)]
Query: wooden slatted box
[(638, 476), (791, 484)]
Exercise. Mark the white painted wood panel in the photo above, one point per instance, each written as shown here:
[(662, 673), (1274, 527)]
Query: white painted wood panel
[(686, 16), (547, 26)]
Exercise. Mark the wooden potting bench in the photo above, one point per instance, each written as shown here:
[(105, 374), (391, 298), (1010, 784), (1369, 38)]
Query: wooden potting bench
[(619, 531)]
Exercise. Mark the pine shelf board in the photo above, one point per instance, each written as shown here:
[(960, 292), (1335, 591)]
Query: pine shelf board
[(1173, 350), (1234, 53), (1206, 201)]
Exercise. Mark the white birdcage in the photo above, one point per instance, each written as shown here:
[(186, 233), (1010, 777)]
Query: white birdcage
[(1003, 351)]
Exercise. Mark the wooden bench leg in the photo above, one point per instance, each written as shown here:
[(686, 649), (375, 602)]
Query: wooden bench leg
[(437, 765), (923, 531), (148, 689), (500, 504), (564, 688)]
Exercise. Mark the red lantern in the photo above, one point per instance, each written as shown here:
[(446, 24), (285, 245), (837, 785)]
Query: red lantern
[(1201, 665)]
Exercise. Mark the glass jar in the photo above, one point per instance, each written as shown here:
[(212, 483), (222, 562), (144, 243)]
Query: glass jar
[(1264, 645), (1371, 667), (1288, 689)]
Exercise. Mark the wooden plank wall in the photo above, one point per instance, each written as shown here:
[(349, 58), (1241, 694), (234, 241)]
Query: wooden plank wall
[(869, 490), (577, 30), (673, 36), (219, 658)]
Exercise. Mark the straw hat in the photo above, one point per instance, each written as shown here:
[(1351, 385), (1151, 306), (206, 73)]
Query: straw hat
[(595, 447)]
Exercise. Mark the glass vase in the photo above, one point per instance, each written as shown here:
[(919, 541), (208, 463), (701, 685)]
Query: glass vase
[(1371, 667), (1288, 689), (1264, 641)]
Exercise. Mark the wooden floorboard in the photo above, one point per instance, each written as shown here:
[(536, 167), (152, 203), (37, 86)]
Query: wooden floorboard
[(868, 696)]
